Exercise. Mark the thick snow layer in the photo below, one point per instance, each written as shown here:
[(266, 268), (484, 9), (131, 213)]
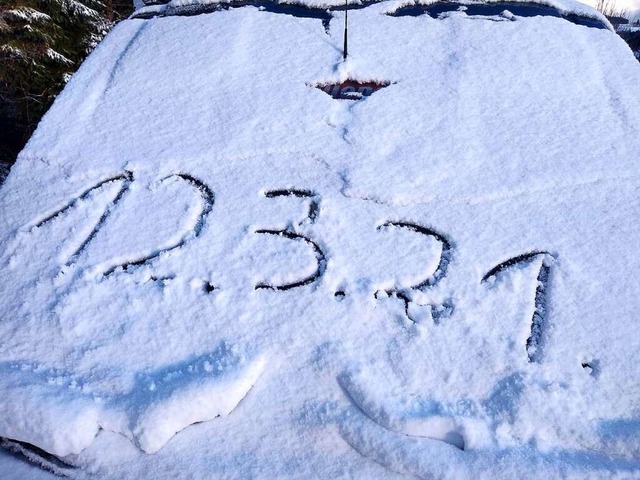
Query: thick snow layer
[(212, 269)]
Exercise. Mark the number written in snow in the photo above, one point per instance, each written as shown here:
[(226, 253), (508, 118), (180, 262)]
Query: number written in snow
[(289, 234)]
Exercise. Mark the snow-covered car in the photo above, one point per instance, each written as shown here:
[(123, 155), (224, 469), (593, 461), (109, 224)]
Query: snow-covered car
[(228, 251)]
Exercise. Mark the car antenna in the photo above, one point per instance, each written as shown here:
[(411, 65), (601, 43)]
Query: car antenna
[(346, 20)]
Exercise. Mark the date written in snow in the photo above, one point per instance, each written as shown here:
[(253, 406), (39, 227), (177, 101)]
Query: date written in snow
[(292, 233)]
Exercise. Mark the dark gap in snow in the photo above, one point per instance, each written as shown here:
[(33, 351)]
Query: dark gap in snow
[(405, 299), (314, 210), (162, 280), (209, 199), (351, 89), (517, 9), (298, 11), (320, 258), (453, 438), (126, 183), (539, 319), (339, 295), (442, 311), (445, 255), (438, 312), (126, 177), (525, 258), (377, 201), (314, 205), (207, 195), (285, 192), (209, 287), (37, 457), (592, 367)]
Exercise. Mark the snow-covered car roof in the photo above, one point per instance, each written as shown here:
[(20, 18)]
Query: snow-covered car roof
[(212, 268)]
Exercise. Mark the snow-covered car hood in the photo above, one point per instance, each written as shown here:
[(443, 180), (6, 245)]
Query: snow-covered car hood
[(437, 279)]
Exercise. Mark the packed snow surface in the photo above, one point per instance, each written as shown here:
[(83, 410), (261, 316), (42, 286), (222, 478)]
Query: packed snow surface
[(212, 269)]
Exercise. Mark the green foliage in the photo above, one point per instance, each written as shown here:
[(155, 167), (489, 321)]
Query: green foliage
[(42, 42)]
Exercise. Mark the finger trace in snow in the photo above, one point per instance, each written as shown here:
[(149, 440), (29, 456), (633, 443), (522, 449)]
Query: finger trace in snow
[(321, 261), (38, 457), (125, 186), (539, 318), (445, 255), (314, 205), (523, 259), (192, 232), (126, 178)]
